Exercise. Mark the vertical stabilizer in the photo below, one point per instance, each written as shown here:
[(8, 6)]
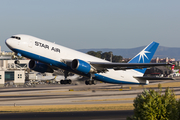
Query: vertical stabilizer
[(145, 55)]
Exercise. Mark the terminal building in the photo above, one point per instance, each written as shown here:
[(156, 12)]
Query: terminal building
[(17, 77), (11, 72)]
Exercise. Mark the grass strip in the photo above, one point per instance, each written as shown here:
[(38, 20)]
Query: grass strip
[(66, 108), (169, 84), (120, 99)]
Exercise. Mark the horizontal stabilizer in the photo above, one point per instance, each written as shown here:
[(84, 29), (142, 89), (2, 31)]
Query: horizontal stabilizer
[(154, 78)]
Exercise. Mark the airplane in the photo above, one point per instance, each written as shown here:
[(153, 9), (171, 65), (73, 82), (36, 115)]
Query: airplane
[(173, 70), (47, 56), (175, 73)]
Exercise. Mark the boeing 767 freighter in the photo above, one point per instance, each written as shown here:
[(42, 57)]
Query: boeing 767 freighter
[(47, 56)]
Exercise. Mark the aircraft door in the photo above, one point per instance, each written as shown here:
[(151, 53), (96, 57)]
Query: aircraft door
[(30, 43)]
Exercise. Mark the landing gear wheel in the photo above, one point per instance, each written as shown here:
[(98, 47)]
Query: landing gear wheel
[(17, 62), (65, 81), (86, 82), (69, 81), (62, 81), (89, 82), (94, 82)]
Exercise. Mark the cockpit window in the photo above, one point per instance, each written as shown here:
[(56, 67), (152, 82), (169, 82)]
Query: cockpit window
[(16, 37)]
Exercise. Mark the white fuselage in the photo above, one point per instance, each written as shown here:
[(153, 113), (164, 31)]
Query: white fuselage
[(51, 53)]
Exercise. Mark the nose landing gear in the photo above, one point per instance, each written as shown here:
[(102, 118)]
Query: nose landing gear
[(17, 61), (18, 55)]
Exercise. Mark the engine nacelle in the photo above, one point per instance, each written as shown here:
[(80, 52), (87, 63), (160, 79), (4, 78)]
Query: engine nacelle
[(39, 67), (82, 66)]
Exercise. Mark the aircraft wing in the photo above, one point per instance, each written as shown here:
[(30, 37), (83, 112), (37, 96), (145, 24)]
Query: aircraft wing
[(124, 66), (103, 66)]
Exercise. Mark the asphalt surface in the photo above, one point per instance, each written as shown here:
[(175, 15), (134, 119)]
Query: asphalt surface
[(61, 95), (96, 115)]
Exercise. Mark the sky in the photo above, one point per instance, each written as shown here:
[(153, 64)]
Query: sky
[(81, 24)]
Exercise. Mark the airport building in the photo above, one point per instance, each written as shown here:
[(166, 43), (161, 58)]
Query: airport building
[(15, 77), (11, 73), (158, 71), (163, 60)]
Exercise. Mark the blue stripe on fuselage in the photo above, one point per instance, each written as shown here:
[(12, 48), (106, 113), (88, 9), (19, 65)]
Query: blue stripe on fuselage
[(110, 80), (42, 59)]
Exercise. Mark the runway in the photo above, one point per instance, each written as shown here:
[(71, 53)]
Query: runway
[(60, 95), (69, 94)]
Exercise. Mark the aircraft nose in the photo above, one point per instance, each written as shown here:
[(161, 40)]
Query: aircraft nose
[(8, 42)]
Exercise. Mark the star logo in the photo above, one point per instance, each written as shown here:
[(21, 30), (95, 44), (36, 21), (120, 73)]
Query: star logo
[(142, 55)]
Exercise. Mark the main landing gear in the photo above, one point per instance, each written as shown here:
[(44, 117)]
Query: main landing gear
[(66, 81), (90, 81)]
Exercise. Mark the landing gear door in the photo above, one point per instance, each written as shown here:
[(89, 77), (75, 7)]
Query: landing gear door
[(30, 43)]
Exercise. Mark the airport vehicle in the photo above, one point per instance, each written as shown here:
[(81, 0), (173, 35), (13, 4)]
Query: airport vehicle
[(47, 56)]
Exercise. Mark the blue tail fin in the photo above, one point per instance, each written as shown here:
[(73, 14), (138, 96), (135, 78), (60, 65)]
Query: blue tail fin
[(145, 55)]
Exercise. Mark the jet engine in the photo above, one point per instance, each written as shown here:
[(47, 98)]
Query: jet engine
[(39, 67), (82, 66)]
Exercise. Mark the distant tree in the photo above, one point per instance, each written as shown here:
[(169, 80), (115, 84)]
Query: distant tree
[(96, 54), (106, 56), (91, 53), (117, 58)]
